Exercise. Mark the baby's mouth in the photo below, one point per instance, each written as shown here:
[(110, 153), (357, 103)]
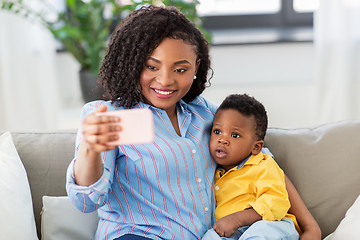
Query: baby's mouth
[(220, 153)]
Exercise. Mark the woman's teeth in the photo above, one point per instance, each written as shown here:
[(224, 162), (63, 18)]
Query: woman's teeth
[(163, 92)]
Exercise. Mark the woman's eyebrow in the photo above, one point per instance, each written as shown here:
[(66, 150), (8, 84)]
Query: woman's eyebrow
[(154, 59), (182, 62), (175, 63)]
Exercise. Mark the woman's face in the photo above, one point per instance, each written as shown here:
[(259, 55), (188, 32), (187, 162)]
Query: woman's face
[(168, 74)]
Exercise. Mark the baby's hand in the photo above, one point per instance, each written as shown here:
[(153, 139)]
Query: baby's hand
[(96, 129), (226, 226)]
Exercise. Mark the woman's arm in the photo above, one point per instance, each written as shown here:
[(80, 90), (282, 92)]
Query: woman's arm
[(89, 175), (95, 130), (307, 223)]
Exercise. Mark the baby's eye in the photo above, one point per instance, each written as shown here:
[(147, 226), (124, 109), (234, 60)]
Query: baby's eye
[(180, 70), (217, 131), (235, 135)]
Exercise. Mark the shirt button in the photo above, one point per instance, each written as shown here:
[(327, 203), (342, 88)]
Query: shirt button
[(193, 151), (199, 180), (206, 209), (216, 187)]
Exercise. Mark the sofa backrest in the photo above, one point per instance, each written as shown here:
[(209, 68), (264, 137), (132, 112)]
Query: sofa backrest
[(45, 157), (323, 162)]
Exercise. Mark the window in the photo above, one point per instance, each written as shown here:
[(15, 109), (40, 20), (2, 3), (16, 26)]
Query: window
[(233, 7), (306, 5), (258, 21)]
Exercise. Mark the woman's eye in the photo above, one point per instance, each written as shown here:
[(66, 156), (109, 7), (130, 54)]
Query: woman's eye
[(180, 70), (151, 67), (235, 135)]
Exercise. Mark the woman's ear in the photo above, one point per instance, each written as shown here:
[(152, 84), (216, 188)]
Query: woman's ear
[(258, 145), (197, 65)]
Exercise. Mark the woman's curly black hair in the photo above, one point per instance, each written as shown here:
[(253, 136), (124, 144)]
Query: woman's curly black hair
[(248, 106), (132, 43)]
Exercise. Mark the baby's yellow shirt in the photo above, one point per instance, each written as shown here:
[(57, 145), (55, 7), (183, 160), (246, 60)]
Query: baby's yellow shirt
[(258, 184)]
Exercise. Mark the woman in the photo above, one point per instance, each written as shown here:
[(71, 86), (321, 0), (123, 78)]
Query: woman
[(157, 59)]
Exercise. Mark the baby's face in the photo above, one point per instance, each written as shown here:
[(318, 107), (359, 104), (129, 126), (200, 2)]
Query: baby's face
[(232, 138)]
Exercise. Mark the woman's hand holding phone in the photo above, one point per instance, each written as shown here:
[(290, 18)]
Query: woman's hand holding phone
[(99, 130), (103, 131)]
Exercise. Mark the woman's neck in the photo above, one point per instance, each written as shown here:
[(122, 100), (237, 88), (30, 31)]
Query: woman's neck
[(173, 119)]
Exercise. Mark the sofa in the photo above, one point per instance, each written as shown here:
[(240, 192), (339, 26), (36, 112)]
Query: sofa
[(322, 161)]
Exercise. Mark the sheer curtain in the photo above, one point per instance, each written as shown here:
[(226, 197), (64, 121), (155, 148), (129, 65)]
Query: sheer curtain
[(28, 91), (337, 42)]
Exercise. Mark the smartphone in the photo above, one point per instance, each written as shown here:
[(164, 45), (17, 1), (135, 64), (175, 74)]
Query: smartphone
[(137, 126)]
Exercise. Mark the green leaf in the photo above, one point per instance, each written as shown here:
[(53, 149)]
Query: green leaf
[(82, 28)]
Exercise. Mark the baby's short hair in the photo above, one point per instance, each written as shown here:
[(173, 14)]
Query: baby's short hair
[(248, 106)]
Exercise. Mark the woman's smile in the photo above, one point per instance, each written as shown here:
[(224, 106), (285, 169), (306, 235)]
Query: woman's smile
[(163, 93)]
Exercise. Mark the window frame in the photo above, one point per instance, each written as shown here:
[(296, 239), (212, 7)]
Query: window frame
[(286, 23)]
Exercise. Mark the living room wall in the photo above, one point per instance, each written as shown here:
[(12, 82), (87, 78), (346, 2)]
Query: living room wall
[(281, 76)]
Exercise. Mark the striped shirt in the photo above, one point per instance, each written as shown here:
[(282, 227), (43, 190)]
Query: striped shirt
[(160, 190)]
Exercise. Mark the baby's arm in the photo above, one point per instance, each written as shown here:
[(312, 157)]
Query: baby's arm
[(271, 200), (311, 230), (227, 225)]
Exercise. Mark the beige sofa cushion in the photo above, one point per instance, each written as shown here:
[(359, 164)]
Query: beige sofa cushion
[(324, 164), (45, 157), (60, 220)]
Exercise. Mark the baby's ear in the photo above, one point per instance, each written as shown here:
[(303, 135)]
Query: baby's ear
[(258, 145)]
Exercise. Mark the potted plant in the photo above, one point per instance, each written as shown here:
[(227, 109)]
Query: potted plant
[(84, 28)]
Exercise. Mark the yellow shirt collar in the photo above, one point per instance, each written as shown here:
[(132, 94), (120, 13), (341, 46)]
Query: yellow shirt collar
[(252, 160)]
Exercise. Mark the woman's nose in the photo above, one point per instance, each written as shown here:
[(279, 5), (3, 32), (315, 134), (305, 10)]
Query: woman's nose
[(165, 78)]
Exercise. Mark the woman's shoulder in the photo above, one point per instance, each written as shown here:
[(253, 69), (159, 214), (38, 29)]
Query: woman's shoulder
[(202, 103)]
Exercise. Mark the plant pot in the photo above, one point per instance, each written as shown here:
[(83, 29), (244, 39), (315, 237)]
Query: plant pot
[(89, 87)]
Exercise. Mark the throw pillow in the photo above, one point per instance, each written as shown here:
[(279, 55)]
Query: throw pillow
[(60, 220), (17, 216), (349, 226)]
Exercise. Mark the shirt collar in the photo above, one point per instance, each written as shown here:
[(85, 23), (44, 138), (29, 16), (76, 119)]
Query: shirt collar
[(181, 105), (142, 105), (255, 159), (250, 160)]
